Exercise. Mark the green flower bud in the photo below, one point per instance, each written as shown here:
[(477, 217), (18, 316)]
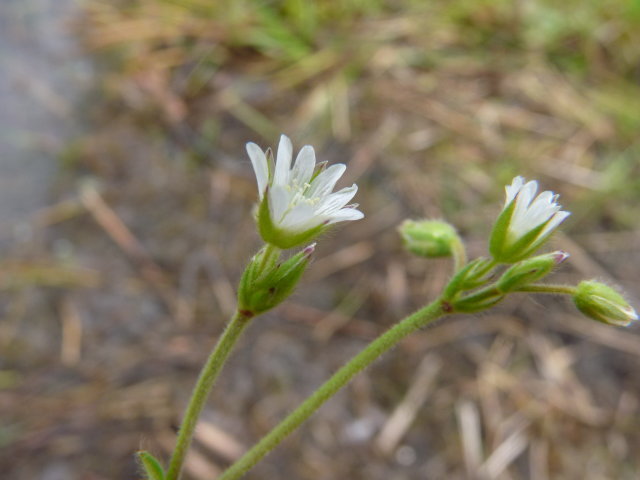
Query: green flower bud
[(429, 238), (530, 270), (601, 302), (266, 282), (152, 468), (471, 276), (478, 301)]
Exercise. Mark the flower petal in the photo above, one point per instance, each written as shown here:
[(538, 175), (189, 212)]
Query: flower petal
[(513, 189), (279, 199), (346, 214), (300, 218), (334, 202), (283, 161), (260, 167), (556, 220), (325, 181), (303, 168), (541, 209)]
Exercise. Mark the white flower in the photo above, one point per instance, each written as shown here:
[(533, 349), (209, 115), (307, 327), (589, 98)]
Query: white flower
[(298, 200), (526, 221)]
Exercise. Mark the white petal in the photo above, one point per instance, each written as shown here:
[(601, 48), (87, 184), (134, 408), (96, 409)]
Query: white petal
[(346, 214), (279, 199), (260, 167), (325, 181), (283, 161), (303, 168), (334, 202), (541, 209), (557, 219), (513, 189), (519, 221), (300, 218), (528, 192)]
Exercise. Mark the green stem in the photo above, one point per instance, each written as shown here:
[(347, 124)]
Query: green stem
[(201, 391), (553, 289), (376, 348)]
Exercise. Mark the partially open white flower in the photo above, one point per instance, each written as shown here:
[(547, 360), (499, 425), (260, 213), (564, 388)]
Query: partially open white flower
[(525, 222), (297, 203)]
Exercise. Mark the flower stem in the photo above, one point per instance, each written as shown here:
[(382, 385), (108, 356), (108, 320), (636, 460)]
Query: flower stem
[(376, 348), (201, 391), (553, 289)]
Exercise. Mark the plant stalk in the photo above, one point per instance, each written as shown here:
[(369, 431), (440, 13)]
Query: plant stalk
[(547, 288), (207, 378), (358, 363)]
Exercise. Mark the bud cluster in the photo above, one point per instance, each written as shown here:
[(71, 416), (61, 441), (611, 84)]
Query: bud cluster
[(524, 225)]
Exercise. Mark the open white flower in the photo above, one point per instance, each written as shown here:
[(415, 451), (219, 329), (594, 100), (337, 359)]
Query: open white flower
[(297, 203), (526, 221)]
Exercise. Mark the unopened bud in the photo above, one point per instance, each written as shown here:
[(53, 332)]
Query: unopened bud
[(151, 466), (264, 286), (429, 238), (478, 301), (472, 275), (601, 302), (530, 270)]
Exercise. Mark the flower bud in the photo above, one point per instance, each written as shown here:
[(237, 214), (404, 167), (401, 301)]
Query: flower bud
[(429, 238), (472, 275), (530, 270), (601, 302), (478, 301), (152, 468), (266, 282)]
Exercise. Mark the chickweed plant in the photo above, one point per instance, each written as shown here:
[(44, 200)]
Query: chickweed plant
[(297, 205)]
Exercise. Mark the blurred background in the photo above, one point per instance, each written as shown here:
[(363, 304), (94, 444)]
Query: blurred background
[(125, 221)]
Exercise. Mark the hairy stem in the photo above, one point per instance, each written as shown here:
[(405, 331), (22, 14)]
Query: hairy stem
[(207, 378), (362, 360), (553, 289)]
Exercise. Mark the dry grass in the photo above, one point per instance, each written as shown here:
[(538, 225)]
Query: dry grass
[(434, 106)]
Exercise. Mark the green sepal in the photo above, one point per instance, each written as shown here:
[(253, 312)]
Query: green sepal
[(152, 468), (602, 303), (525, 245), (282, 238), (529, 271), (320, 167), (472, 275), (479, 301), (501, 230)]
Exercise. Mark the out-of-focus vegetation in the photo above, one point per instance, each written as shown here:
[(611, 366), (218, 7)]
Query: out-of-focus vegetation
[(532, 86), (435, 105)]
